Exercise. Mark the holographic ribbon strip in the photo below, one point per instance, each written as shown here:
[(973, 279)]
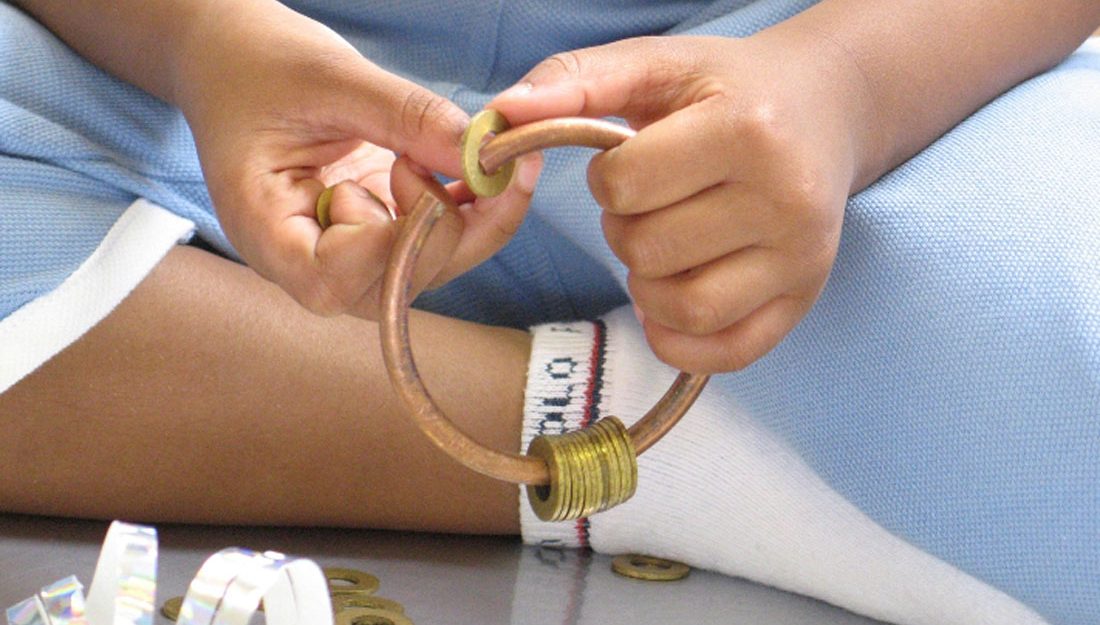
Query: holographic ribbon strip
[(230, 584), (226, 591), (123, 590), (27, 612), (63, 602)]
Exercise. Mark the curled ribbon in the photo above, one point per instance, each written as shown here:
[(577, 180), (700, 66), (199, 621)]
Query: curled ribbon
[(226, 591)]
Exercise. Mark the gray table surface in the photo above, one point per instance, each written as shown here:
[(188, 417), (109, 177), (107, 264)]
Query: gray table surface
[(441, 580)]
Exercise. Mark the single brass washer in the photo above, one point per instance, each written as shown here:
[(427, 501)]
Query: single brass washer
[(627, 471), (610, 479), (549, 501), (342, 581), (345, 602), (651, 569), (324, 203), (324, 206), (171, 608), (480, 182), (370, 616), (593, 498)]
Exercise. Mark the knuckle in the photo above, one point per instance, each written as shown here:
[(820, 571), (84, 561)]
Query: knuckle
[(760, 125), (808, 194), (698, 314), (646, 256), (418, 109), (563, 63), (612, 183)]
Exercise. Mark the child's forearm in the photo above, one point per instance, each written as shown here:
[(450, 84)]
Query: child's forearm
[(924, 66), (139, 41), (154, 44)]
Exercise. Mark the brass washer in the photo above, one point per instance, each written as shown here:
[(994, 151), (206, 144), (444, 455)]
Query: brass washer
[(356, 582), (649, 568), (171, 608), (370, 616), (346, 602), (610, 466), (594, 498), (549, 501), (627, 458), (324, 204), (481, 183)]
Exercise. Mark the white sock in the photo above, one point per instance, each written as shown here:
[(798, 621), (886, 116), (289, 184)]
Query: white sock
[(720, 492)]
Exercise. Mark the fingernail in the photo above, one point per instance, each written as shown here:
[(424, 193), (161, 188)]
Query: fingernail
[(639, 314), (527, 174), (518, 90), (380, 209)]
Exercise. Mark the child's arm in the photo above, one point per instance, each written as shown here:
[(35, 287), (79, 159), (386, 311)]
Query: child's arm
[(727, 206), (281, 107), (927, 65)]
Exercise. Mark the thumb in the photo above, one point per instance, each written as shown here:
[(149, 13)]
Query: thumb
[(402, 116), (640, 79)]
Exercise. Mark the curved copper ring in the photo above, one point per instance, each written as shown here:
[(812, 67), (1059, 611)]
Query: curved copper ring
[(395, 314)]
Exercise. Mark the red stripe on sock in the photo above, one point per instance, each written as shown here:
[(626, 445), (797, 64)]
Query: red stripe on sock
[(591, 407), (594, 370), (582, 532)]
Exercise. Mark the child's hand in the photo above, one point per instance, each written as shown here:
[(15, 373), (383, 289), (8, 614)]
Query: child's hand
[(727, 206), (282, 108)]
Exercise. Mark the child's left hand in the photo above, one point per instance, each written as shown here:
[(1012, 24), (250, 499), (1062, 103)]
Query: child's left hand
[(727, 206)]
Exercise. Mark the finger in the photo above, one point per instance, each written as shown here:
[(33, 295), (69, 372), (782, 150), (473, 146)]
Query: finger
[(409, 183), (405, 117), (732, 348), (702, 228), (667, 161), (280, 245), (717, 295), (351, 253), (639, 79), (491, 222)]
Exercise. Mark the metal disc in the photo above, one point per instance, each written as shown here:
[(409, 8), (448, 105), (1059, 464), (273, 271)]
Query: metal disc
[(343, 581), (171, 608), (651, 569), (481, 183)]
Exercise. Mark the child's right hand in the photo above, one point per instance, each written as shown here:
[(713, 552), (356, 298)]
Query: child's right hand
[(282, 107)]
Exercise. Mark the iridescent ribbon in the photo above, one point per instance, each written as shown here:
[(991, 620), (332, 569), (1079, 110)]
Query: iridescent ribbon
[(226, 591), (60, 603), (228, 588), (123, 590)]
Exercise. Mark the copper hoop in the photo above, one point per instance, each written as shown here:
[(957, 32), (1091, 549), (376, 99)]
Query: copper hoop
[(396, 350)]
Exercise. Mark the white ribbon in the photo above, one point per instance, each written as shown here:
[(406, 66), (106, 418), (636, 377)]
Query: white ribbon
[(226, 591), (230, 584), (123, 590)]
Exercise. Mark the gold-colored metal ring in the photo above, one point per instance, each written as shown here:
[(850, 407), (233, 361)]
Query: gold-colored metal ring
[(484, 182), (346, 602), (171, 608), (370, 616), (649, 568), (505, 147), (342, 581)]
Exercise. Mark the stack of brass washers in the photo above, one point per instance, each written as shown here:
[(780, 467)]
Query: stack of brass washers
[(590, 470), (354, 601)]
